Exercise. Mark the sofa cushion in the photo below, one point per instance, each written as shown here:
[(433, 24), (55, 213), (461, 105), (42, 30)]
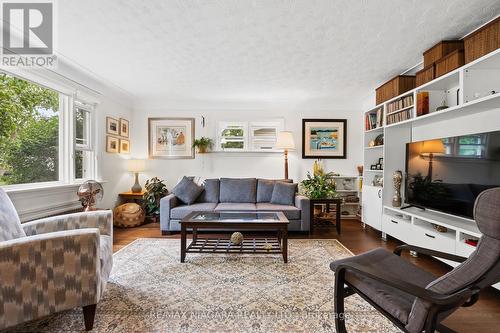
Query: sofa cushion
[(181, 212), (265, 188), (284, 194), (241, 206), (291, 212), (238, 190), (187, 191), (10, 225), (211, 190)]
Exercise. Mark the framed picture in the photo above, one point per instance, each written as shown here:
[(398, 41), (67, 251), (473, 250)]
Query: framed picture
[(324, 138), (171, 138), (112, 144), (112, 126), (124, 128), (124, 146)]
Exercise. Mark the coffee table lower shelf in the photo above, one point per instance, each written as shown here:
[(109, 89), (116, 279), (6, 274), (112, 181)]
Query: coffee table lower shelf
[(224, 246)]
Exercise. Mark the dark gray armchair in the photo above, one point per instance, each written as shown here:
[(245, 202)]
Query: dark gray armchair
[(413, 299)]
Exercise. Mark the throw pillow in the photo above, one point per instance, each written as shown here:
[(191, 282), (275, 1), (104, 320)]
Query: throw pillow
[(238, 190), (210, 192), (265, 188), (187, 191), (10, 225), (284, 194)]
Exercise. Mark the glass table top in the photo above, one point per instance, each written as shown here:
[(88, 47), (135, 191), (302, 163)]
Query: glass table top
[(235, 217)]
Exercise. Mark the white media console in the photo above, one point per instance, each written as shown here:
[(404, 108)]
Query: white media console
[(472, 93)]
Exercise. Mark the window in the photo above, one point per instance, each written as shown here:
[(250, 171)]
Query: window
[(29, 132), (84, 154), (232, 136), (248, 136), (37, 127), (263, 135)]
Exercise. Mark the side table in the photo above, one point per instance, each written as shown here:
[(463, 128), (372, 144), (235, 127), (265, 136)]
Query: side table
[(326, 202), (129, 196)]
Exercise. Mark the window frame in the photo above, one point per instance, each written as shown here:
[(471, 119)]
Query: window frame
[(66, 135), (223, 125), (89, 148)]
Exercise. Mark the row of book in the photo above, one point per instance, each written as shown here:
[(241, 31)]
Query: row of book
[(398, 116), (399, 104), (374, 119)]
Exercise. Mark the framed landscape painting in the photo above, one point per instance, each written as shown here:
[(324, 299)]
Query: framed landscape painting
[(171, 138), (124, 128), (124, 146), (112, 144), (112, 126), (324, 138)]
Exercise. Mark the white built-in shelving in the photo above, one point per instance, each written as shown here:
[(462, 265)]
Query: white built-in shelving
[(472, 94)]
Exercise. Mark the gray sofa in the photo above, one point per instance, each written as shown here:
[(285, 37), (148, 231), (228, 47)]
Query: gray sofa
[(234, 194)]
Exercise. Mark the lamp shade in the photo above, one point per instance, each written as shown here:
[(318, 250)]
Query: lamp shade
[(136, 165), (285, 141), (433, 147)]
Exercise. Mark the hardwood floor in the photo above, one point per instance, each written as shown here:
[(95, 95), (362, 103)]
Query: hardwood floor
[(483, 317)]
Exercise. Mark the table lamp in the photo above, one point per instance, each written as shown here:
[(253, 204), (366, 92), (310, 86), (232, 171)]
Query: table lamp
[(429, 148), (136, 166), (285, 142)]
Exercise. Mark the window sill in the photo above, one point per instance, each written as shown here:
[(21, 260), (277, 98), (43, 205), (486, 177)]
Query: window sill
[(27, 188)]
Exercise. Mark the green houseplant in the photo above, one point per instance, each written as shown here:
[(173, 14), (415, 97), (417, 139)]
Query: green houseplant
[(203, 144), (155, 189), (320, 186)]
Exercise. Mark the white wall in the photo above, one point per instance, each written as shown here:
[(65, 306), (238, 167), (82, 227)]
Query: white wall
[(268, 165)]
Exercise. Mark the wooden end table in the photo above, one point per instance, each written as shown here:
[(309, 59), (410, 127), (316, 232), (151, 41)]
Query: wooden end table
[(130, 196), (327, 202)]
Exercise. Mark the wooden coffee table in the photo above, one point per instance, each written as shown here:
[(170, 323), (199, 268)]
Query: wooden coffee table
[(275, 222)]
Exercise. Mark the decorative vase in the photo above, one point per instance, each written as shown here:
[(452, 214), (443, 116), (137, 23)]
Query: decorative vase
[(202, 149), (397, 178)]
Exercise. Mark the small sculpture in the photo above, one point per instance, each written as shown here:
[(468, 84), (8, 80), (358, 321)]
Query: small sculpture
[(360, 170), (236, 238), (397, 178), (268, 247)]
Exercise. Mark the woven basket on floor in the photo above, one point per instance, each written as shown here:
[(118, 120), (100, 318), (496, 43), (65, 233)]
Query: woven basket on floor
[(128, 215)]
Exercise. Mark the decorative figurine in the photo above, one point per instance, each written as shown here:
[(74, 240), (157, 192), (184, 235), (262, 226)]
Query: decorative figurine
[(236, 238), (397, 178)]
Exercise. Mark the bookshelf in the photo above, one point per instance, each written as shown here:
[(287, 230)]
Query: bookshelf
[(472, 96)]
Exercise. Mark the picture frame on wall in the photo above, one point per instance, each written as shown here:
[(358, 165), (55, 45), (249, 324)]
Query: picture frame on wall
[(112, 126), (124, 127), (324, 138), (171, 138), (112, 144), (124, 146)]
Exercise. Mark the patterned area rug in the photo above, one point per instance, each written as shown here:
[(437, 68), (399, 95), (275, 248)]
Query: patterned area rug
[(151, 291)]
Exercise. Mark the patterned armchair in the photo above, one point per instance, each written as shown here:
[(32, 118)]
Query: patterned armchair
[(53, 264)]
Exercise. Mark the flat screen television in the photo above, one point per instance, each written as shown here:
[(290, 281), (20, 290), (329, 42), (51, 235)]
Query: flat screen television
[(448, 174)]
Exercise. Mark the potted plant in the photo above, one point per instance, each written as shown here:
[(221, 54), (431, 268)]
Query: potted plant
[(319, 186), (155, 189), (203, 144)]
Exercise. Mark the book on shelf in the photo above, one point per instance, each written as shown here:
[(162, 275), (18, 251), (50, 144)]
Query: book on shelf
[(374, 119), (401, 103), (397, 117), (422, 103)]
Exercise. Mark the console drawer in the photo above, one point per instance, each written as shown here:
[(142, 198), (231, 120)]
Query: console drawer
[(427, 237), (397, 228)]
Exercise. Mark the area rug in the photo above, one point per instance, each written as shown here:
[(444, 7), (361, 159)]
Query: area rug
[(151, 291)]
